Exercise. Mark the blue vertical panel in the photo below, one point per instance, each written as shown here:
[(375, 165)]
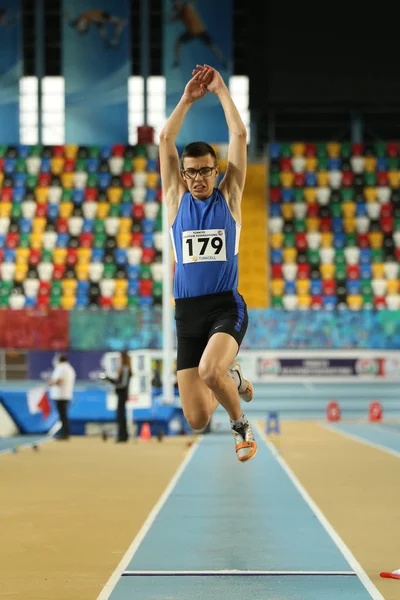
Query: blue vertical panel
[(197, 33), (96, 67), (10, 69)]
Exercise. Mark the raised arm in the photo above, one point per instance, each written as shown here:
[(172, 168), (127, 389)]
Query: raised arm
[(233, 182), (172, 183)]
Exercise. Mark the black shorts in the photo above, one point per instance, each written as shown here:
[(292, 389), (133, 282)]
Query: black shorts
[(198, 318)]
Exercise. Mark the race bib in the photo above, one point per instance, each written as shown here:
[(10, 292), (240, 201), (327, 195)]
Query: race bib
[(203, 246)]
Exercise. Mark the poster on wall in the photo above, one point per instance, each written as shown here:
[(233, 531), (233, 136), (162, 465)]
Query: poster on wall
[(96, 67), (10, 69), (197, 32)]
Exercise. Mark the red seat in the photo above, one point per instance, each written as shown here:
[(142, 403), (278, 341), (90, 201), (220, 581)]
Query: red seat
[(347, 179), (145, 287), (44, 179), (91, 194), (127, 180), (325, 224), (301, 241), (392, 149), (353, 271), (285, 164), (382, 178), (34, 257), (275, 195), (105, 302), (379, 302), (386, 210), (72, 256), (148, 256), (276, 271), (58, 272), (86, 240), (62, 225), (316, 302), (312, 210), (357, 149), (12, 239), (69, 165), (329, 287), (41, 210), (44, 288), (303, 271), (159, 195), (310, 150), (58, 151), (118, 150), (386, 224), (6, 194), (1, 254), (138, 212), (1, 165), (363, 240), (137, 239), (43, 300), (299, 180)]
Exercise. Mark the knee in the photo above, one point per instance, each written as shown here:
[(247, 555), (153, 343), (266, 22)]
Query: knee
[(211, 374), (197, 419)]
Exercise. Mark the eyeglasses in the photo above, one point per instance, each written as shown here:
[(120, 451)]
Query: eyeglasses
[(204, 172)]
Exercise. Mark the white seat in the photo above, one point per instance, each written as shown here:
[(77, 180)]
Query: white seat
[(89, 209), (158, 240), (49, 240), (16, 301), (393, 301), (140, 180), (138, 194), (313, 240), (276, 224), (107, 287), (352, 255), (298, 164), (323, 195), (75, 225), (327, 255), (383, 194), (379, 286), (28, 208), (151, 209), (96, 272), (33, 164), (391, 270), (290, 302), (7, 271), (373, 210), (289, 271), (362, 224), (396, 238), (31, 287), (134, 255), (335, 179), (80, 180), (45, 271), (157, 271), (152, 151), (55, 193), (116, 165), (357, 164), (300, 211), (111, 225), (4, 225)]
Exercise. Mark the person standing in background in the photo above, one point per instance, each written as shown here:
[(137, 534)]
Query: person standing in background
[(121, 385), (62, 384)]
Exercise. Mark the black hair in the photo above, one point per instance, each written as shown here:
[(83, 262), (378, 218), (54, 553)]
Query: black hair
[(197, 149), (63, 358)]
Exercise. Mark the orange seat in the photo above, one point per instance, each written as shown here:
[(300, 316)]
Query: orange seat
[(20, 272), (323, 178), (5, 209), (378, 271), (22, 255), (69, 287), (375, 239), (304, 301), (84, 255), (349, 224), (277, 287), (276, 240), (287, 211), (39, 224), (326, 239), (59, 256), (125, 225), (392, 285), (333, 149), (36, 240), (310, 194), (348, 209), (298, 149), (355, 301), (114, 195), (311, 163), (70, 150), (82, 270), (394, 178), (152, 180), (289, 255), (287, 178), (67, 180), (312, 223), (57, 165), (103, 208), (68, 302), (120, 302), (327, 271), (370, 164), (303, 287), (124, 240), (41, 195), (139, 164), (370, 194), (121, 286), (66, 209)]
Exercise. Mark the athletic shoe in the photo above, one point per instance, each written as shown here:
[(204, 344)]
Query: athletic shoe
[(245, 388), (246, 446)]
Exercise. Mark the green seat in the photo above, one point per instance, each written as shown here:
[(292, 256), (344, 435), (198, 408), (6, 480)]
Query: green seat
[(366, 287), (3, 150), (322, 164), (299, 195), (340, 258), (313, 257), (159, 222), (5, 288), (36, 150), (300, 226), (350, 239), (47, 256), (94, 151), (91, 180), (31, 181), (370, 179), (394, 164), (56, 288), (99, 240), (133, 301), (114, 210), (286, 150), (4, 301), (396, 224), (368, 300), (145, 272), (157, 289), (274, 179), (340, 273), (66, 196), (126, 197), (277, 302), (24, 240), (321, 150), (109, 271), (16, 211), (380, 149), (128, 165), (99, 226), (336, 209), (377, 255), (21, 165), (345, 150), (347, 194), (55, 301), (289, 240), (140, 151), (81, 165)]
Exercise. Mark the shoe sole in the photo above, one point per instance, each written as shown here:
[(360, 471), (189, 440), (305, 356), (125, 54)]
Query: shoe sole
[(248, 456), (250, 390)]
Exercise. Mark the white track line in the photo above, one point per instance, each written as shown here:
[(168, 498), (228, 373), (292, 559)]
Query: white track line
[(133, 548), (354, 564), (230, 573), (362, 440)]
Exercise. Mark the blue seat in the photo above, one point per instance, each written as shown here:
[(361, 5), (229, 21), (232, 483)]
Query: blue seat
[(148, 225), (62, 240), (78, 196), (133, 287), (353, 287), (2, 240), (151, 195), (316, 287), (381, 163), (365, 256), (329, 302), (287, 195), (82, 301), (152, 165), (125, 210), (311, 180), (290, 288), (53, 211), (19, 195), (276, 256), (365, 271), (97, 255), (133, 272), (105, 151), (87, 226), (274, 150), (9, 165), (20, 180), (23, 151), (25, 225), (82, 287), (104, 180), (275, 210), (339, 240), (120, 256), (30, 302), (9, 255), (148, 240), (337, 224), (146, 301), (45, 166), (92, 165), (361, 210), (334, 164)]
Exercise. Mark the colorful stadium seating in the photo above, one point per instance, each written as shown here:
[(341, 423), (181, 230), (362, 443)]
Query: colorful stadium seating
[(80, 226), (334, 221)]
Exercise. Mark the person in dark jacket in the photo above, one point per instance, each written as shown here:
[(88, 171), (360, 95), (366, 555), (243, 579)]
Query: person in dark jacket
[(121, 386)]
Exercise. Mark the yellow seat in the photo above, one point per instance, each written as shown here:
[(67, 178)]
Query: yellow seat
[(114, 195), (120, 302), (310, 194), (39, 224), (333, 149), (298, 149), (323, 178), (287, 178), (303, 287), (125, 225), (287, 211), (349, 224), (355, 301), (348, 209), (152, 180), (327, 271), (121, 286), (222, 164), (69, 287), (42, 195), (378, 271), (375, 239), (103, 208), (5, 209), (312, 224), (304, 301), (289, 255), (22, 255), (370, 194), (70, 150), (59, 256), (392, 285), (394, 178), (139, 164), (68, 302), (311, 163), (66, 209), (1, 178), (124, 240), (277, 287), (276, 240), (67, 180), (20, 272), (82, 271), (57, 165), (370, 164), (84, 255), (326, 239), (36, 240)]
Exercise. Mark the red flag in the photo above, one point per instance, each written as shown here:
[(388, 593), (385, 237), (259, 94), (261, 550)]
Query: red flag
[(38, 401), (44, 405)]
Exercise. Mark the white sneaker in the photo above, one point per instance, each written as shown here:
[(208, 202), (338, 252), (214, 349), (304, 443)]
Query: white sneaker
[(246, 390), (245, 443)]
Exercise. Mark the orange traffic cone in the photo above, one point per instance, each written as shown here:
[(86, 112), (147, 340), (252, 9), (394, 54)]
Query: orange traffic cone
[(145, 432), (392, 575)]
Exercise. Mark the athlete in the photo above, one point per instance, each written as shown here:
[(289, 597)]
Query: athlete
[(194, 29), (205, 221), (100, 19)]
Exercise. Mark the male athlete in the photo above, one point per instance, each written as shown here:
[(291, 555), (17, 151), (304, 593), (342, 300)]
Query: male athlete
[(205, 221), (194, 29), (100, 19)]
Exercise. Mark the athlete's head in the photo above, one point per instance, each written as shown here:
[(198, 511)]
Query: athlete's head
[(199, 169)]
